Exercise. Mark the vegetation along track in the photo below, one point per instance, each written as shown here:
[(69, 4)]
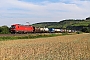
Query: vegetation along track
[(69, 47), (3, 35)]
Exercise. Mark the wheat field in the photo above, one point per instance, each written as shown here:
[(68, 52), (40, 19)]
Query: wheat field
[(69, 47)]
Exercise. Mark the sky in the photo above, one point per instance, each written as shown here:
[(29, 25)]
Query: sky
[(35, 11)]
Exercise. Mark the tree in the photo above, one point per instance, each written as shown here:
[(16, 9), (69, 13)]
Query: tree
[(86, 30), (88, 18), (4, 30), (0, 29), (89, 25)]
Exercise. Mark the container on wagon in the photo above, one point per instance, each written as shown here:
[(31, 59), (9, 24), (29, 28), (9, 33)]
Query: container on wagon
[(57, 30), (41, 29), (62, 30), (46, 29), (37, 30), (51, 30), (69, 31)]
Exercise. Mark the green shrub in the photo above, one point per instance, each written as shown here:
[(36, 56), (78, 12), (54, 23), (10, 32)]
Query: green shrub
[(79, 32), (65, 33)]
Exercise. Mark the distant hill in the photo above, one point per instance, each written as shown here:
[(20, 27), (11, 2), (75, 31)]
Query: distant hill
[(63, 24), (88, 18)]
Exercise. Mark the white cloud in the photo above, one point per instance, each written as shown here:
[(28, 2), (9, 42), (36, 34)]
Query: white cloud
[(14, 10)]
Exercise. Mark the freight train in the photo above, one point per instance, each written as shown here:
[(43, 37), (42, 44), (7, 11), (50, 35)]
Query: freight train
[(18, 28)]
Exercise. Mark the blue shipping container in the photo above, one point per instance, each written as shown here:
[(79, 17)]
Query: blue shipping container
[(51, 30)]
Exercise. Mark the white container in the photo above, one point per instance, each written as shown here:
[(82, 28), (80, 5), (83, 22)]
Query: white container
[(42, 29), (69, 31), (57, 30), (46, 29)]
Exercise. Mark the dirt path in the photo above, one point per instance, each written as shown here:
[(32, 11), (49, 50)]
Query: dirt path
[(69, 47)]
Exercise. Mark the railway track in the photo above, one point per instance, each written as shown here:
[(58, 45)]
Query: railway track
[(3, 35)]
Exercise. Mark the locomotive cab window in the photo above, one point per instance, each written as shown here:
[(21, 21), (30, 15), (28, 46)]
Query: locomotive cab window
[(12, 26)]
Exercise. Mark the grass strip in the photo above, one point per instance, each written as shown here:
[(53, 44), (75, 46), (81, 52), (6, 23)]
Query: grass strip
[(5, 38)]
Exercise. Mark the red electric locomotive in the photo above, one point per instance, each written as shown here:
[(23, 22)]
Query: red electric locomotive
[(18, 28)]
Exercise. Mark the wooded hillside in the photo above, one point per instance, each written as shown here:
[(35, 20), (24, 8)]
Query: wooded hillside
[(67, 24)]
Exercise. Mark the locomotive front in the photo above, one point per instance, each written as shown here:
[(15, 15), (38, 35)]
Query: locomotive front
[(13, 29)]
